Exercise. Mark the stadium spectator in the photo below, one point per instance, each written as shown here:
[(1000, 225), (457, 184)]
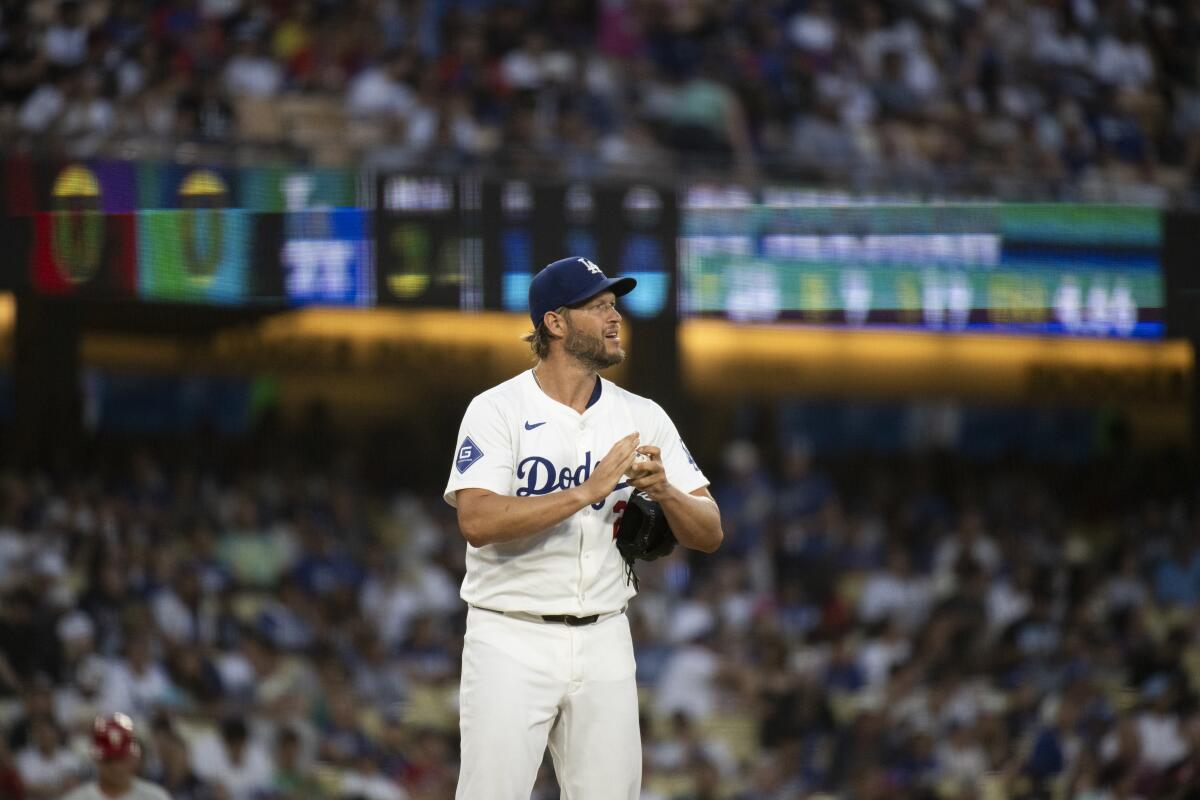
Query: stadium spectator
[(895, 591), (293, 772), (47, 766), (174, 771), (140, 680), (117, 754), (242, 768), (10, 776), (1177, 577), (251, 71), (65, 42), (383, 90)]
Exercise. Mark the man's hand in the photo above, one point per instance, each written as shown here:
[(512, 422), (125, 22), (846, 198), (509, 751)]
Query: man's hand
[(488, 518), (649, 475), (610, 469)]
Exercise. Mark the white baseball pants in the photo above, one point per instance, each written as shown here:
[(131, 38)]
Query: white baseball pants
[(526, 684)]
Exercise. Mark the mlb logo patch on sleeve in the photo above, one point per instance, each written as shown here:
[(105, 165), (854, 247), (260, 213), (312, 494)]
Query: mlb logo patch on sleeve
[(468, 454)]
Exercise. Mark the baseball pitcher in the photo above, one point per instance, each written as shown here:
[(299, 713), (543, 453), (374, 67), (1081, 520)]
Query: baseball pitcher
[(547, 465)]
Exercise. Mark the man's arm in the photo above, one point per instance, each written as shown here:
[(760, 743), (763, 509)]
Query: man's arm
[(695, 518), (489, 518)]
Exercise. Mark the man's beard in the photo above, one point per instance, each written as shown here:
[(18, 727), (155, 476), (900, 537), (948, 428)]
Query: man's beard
[(590, 350)]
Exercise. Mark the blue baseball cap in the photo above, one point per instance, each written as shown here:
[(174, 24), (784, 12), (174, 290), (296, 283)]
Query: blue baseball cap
[(569, 281)]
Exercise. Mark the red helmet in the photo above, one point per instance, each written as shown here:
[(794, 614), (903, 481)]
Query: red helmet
[(113, 738)]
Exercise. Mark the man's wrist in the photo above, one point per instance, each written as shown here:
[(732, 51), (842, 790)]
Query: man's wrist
[(668, 494), (582, 496)]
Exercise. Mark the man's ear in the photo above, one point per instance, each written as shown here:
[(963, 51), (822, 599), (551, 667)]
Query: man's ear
[(556, 324)]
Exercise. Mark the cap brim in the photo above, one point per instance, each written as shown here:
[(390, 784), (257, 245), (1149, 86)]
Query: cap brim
[(618, 286)]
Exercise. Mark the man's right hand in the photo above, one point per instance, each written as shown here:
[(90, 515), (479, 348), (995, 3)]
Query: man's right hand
[(612, 467)]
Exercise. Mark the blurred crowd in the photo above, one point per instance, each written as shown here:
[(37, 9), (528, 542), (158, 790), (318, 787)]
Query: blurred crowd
[(1051, 97), (922, 629)]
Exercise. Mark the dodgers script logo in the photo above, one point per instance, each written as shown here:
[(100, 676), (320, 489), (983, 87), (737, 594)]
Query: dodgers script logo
[(541, 476)]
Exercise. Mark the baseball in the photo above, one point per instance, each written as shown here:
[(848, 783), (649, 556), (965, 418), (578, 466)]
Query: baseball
[(638, 458)]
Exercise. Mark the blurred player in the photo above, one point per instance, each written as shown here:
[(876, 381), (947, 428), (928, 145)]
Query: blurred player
[(545, 465), (118, 755)]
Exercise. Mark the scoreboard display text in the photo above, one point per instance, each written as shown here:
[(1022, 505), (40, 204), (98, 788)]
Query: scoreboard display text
[(1041, 269)]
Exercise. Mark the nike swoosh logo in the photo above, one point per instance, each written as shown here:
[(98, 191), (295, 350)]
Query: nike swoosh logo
[(529, 427)]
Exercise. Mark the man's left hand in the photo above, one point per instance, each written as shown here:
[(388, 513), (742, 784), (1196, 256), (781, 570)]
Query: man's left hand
[(649, 475)]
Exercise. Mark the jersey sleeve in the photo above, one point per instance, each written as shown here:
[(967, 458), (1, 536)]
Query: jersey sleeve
[(682, 470), (483, 458)]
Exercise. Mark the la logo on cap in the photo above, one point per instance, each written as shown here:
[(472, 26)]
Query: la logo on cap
[(592, 268)]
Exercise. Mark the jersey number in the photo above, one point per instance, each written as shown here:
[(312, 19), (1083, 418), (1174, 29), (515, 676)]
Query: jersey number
[(618, 509)]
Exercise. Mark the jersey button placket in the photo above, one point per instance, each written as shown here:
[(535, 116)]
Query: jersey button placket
[(583, 562)]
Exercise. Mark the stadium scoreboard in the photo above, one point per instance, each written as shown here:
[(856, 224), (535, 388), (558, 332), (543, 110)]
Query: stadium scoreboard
[(158, 232), (1040, 269)]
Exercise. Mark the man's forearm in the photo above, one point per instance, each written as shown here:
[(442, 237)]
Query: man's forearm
[(695, 520), (496, 518)]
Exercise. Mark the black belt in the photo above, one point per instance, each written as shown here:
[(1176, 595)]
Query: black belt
[(565, 619)]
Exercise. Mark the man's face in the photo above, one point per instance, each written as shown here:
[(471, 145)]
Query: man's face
[(594, 333), (44, 736), (116, 771)]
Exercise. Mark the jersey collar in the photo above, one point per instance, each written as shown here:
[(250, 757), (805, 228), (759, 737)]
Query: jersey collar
[(533, 386)]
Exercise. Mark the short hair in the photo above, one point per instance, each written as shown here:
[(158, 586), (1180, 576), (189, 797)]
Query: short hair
[(539, 338)]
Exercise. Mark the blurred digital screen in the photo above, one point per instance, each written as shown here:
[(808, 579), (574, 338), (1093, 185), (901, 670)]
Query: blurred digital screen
[(326, 257), (195, 255), (426, 254), (627, 229), (1043, 269), (299, 189)]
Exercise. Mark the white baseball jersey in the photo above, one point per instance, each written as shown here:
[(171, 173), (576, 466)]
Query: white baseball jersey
[(141, 790), (516, 440)]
